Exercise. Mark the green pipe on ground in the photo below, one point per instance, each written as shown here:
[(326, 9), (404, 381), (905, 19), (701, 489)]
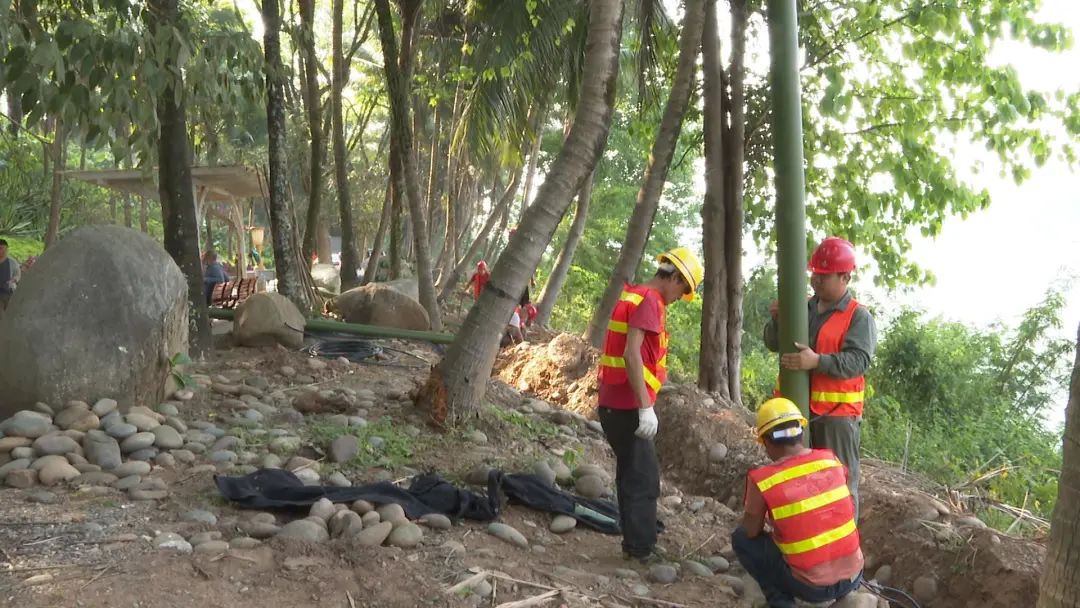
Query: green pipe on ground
[(226, 314), (790, 191)]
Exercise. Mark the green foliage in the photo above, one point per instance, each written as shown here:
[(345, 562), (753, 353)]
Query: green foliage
[(397, 450), (176, 369), (527, 427), (21, 248)]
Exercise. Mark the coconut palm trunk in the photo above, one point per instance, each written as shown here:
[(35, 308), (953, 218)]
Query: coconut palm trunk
[(667, 136), (456, 386), (561, 270), (1060, 586)]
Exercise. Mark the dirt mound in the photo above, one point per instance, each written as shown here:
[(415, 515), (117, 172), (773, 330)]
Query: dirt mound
[(562, 371), (704, 444)]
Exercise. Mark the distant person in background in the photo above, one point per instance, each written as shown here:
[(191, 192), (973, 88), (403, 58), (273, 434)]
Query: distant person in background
[(9, 275), (213, 274), (478, 280), (513, 334)]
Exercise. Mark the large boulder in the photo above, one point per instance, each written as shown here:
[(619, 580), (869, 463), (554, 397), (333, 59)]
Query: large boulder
[(265, 319), (100, 317), (382, 305), (409, 287), (326, 277)]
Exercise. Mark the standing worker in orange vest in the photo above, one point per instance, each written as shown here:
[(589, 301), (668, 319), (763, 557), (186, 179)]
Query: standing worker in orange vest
[(813, 552), (842, 341), (633, 367)]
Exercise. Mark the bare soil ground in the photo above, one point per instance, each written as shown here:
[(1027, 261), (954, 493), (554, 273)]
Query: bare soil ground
[(91, 546)]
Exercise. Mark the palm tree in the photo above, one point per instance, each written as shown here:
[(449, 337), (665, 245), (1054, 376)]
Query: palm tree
[(1060, 587), (637, 233), (457, 385)]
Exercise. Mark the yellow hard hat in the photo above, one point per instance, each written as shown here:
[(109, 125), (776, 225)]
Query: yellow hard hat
[(688, 266), (774, 412)]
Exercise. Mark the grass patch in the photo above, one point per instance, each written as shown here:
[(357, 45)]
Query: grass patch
[(397, 450), (526, 427)]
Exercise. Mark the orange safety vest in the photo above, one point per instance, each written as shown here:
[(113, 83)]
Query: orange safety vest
[(612, 364), (831, 396), (810, 507)]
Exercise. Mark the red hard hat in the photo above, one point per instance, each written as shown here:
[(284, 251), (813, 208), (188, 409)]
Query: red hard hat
[(834, 254), (481, 266)]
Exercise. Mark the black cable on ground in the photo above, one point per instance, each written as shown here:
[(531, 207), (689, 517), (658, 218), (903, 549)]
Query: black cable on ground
[(333, 345), (890, 594)]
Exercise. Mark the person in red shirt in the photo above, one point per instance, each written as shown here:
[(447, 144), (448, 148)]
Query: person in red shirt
[(633, 367), (813, 552), (479, 279)]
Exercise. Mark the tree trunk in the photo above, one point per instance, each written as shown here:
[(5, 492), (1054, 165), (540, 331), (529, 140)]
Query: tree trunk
[(380, 237), (324, 246), (350, 256), (56, 194), (113, 212), (451, 279), (178, 214), (397, 82), (1060, 586), (530, 173), (288, 263), (712, 359), (314, 116), (734, 154), (395, 209), (457, 384), (667, 136), (559, 273), (144, 215), (128, 219)]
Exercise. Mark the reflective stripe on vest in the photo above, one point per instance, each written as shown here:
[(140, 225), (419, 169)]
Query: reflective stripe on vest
[(612, 364), (831, 396), (810, 507)]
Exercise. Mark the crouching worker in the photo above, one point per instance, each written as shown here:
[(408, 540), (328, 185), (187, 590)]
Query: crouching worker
[(813, 552)]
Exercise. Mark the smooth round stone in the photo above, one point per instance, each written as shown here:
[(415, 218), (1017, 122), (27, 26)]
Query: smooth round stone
[(22, 453), (377, 443), (21, 478), (140, 494), (138, 441), (142, 421), (111, 419), (104, 407), (204, 537), (696, 568), (436, 521), (121, 430), (216, 432), (718, 563), (375, 535), (271, 461), (260, 529), (405, 535), (26, 423), (223, 456), (308, 476), (508, 534), (131, 468), (129, 482), (212, 547), (339, 480), (197, 436), (201, 516), (177, 424), (391, 512), (57, 471), (165, 459), (86, 467), (10, 443), (322, 509), (144, 455), (477, 437), (590, 486), (306, 530), (284, 446), (244, 542), (228, 442), (184, 456), (168, 409), (43, 408), (562, 524), (361, 507), (195, 448), (357, 421), (167, 438), (169, 541), (370, 518), (663, 574)]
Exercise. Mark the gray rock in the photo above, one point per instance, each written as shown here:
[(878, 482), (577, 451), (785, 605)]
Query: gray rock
[(590, 486), (21, 478), (129, 482), (718, 563), (42, 497), (199, 436), (22, 453), (391, 512), (223, 456), (165, 459), (44, 408), (477, 437), (132, 468), (170, 541), (57, 471), (436, 521), (54, 443), (453, 547), (362, 507), (26, 423), (112, 418), (14, 465), (201, 516), (595, 426), (104, 407), (640, 589), (478, 475), (563, 474), (375, 535), (212, 547), (697, 568), (121, 430), (167, 409), (142, 421), (357, 421), (663, 574), (227, 442), (626, 574), (310, 477), (377, 443), (322, 509), (338, 479), (717, 453), (925, 588), (267, 319), (167, 438), (177, 424), (589, 469), (883, 574), (96, 478), (101, 449), (344, 448), (345, 523), (78, 418), (184, 456), (405, 535), (8, 444), (545, 472), (371, 518), (144, 455), (244, 542), (204, 537), (136, 442), (969, 521), (260, 529), (562, 524), (285, 446), (140, 494), (508, 534)]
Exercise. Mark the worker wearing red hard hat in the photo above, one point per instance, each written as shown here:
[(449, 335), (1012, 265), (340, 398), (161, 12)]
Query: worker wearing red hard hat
[(478, 280), (842, 340)]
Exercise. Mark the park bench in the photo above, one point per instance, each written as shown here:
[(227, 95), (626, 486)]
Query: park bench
[(231, 293)]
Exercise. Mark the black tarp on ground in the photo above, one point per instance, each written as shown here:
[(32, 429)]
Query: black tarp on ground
[(428, 493)]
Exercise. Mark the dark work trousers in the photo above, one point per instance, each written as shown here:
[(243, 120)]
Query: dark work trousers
[(761, 559), (841, 435), (637, 480)]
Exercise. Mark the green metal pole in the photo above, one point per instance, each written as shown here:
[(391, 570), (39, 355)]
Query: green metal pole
[(790, 211), (354, 328)]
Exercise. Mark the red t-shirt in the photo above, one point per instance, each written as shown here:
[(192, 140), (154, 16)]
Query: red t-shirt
[(649, 317), (478, 280)]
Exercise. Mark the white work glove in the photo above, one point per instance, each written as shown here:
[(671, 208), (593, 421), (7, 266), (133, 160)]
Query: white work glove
[(647, 423)]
